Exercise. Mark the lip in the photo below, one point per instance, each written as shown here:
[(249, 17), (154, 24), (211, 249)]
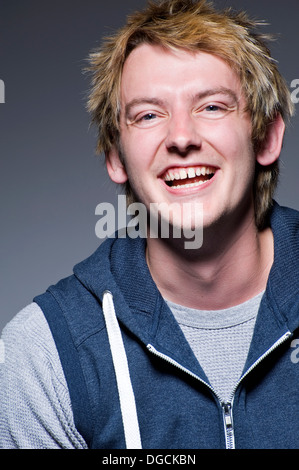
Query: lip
[(182, 190)]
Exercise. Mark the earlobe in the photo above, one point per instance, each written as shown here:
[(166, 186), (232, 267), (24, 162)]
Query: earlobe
[(271, 148), (115, 167)]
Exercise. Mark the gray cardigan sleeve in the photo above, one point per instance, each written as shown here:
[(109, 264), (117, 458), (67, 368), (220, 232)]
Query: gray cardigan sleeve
[(35, 406)]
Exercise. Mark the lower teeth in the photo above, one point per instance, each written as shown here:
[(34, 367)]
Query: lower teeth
[(191, 185), (188, 185)]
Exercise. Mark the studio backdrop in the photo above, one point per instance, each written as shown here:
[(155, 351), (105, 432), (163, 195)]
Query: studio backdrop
[(51, 179)]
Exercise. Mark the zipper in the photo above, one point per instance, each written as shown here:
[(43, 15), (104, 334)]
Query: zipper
[(263, 356), (171, 361), (228, 425), (227, 407)]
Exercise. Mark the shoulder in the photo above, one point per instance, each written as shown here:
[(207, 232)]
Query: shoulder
[(285, 223), (29, 320), (27, 333), (31, 368)]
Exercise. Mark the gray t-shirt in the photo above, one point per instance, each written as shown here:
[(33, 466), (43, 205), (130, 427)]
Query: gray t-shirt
[(220, 340)]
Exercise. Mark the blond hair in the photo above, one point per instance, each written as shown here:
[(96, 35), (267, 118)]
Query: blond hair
[(196, 26)]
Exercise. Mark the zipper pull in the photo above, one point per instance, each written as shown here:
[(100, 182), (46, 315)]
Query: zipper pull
[(228, 425), (227, 415)]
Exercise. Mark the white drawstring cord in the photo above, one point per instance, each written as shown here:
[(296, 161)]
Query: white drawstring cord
[(125, 389)]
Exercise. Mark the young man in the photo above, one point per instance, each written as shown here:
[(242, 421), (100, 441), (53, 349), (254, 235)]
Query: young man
[(150, 343)]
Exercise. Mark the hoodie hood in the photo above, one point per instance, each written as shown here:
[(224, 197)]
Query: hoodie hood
[(283, 285)]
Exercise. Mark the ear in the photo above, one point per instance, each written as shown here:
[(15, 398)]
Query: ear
[(115, 167), (271, 148)]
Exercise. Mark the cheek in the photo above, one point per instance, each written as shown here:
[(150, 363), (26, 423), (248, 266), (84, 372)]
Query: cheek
[(140, 148), (234, 143), (135, 162)]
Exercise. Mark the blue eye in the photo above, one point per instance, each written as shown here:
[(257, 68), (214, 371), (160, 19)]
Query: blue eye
[(147, 120), (212, 107), (149, 117)]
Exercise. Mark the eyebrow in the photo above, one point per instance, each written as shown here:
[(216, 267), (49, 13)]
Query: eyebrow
[(201, 95), (145, 100), (217, 91)]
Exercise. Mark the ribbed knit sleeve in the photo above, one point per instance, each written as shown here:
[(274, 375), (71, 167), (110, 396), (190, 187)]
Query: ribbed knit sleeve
[(35, 405)]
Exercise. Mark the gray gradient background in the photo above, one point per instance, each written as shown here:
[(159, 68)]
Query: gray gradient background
[(51, 180)]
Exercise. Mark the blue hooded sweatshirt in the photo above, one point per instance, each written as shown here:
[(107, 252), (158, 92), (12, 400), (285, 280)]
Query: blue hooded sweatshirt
[(135, 382)]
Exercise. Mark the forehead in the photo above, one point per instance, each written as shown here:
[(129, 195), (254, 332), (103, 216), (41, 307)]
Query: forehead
[(153, 70)]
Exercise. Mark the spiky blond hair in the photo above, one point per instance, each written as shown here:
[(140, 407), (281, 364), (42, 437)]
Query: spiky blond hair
[(196, 26)]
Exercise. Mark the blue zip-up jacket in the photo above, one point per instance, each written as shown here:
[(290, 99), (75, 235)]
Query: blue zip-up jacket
[(133, 378)]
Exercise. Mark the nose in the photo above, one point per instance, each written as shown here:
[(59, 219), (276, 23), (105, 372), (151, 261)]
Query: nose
[(182, 135)]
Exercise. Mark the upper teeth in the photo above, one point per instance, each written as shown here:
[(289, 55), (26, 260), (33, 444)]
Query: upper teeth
[(183, 173)]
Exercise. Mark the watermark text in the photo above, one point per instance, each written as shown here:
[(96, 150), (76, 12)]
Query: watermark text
[(2, 92), (295, 92), (161, 220), (135, 460), (295, 352)]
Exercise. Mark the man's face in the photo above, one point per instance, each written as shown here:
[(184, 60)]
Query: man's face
[(185, 136)]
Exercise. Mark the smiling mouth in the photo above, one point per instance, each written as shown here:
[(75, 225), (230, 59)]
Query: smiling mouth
[(188, 177)]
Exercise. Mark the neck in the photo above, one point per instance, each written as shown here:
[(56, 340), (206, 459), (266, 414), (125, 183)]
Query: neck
[(231, 267)]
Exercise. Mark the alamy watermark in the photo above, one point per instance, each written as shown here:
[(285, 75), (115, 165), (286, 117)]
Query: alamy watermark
[(295, 353), (162, 220), (2, 91), (295, 92)]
